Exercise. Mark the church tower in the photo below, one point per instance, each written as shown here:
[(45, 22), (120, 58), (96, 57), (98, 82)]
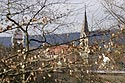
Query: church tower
[(84, 34), (84, 40), (17, 39)]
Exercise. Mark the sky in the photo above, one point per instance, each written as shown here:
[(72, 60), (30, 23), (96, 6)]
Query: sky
[(94, 13)]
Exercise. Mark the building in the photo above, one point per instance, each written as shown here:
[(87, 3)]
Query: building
[(84, 39), (99, 43), (17, 39)]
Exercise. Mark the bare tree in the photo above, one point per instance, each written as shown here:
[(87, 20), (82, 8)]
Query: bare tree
[(32, 16), (32, 65), (115, 9)]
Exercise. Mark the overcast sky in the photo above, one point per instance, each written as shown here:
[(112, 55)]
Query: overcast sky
[(94, 13)]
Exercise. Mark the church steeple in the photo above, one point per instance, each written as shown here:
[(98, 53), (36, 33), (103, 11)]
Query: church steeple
[(84, 32), (85, 29), (84, 39)]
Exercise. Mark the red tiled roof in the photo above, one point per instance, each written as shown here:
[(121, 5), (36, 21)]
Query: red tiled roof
[(58, 49)]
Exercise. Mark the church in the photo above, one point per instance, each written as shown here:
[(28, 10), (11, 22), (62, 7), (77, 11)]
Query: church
[(100, 44)]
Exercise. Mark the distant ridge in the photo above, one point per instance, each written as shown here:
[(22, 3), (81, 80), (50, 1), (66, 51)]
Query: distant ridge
[(97, 36), (50, 38)]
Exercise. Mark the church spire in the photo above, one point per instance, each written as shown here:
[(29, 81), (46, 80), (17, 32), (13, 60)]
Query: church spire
[(85, 29), (84, 32), (85, 26), (84, 39)]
